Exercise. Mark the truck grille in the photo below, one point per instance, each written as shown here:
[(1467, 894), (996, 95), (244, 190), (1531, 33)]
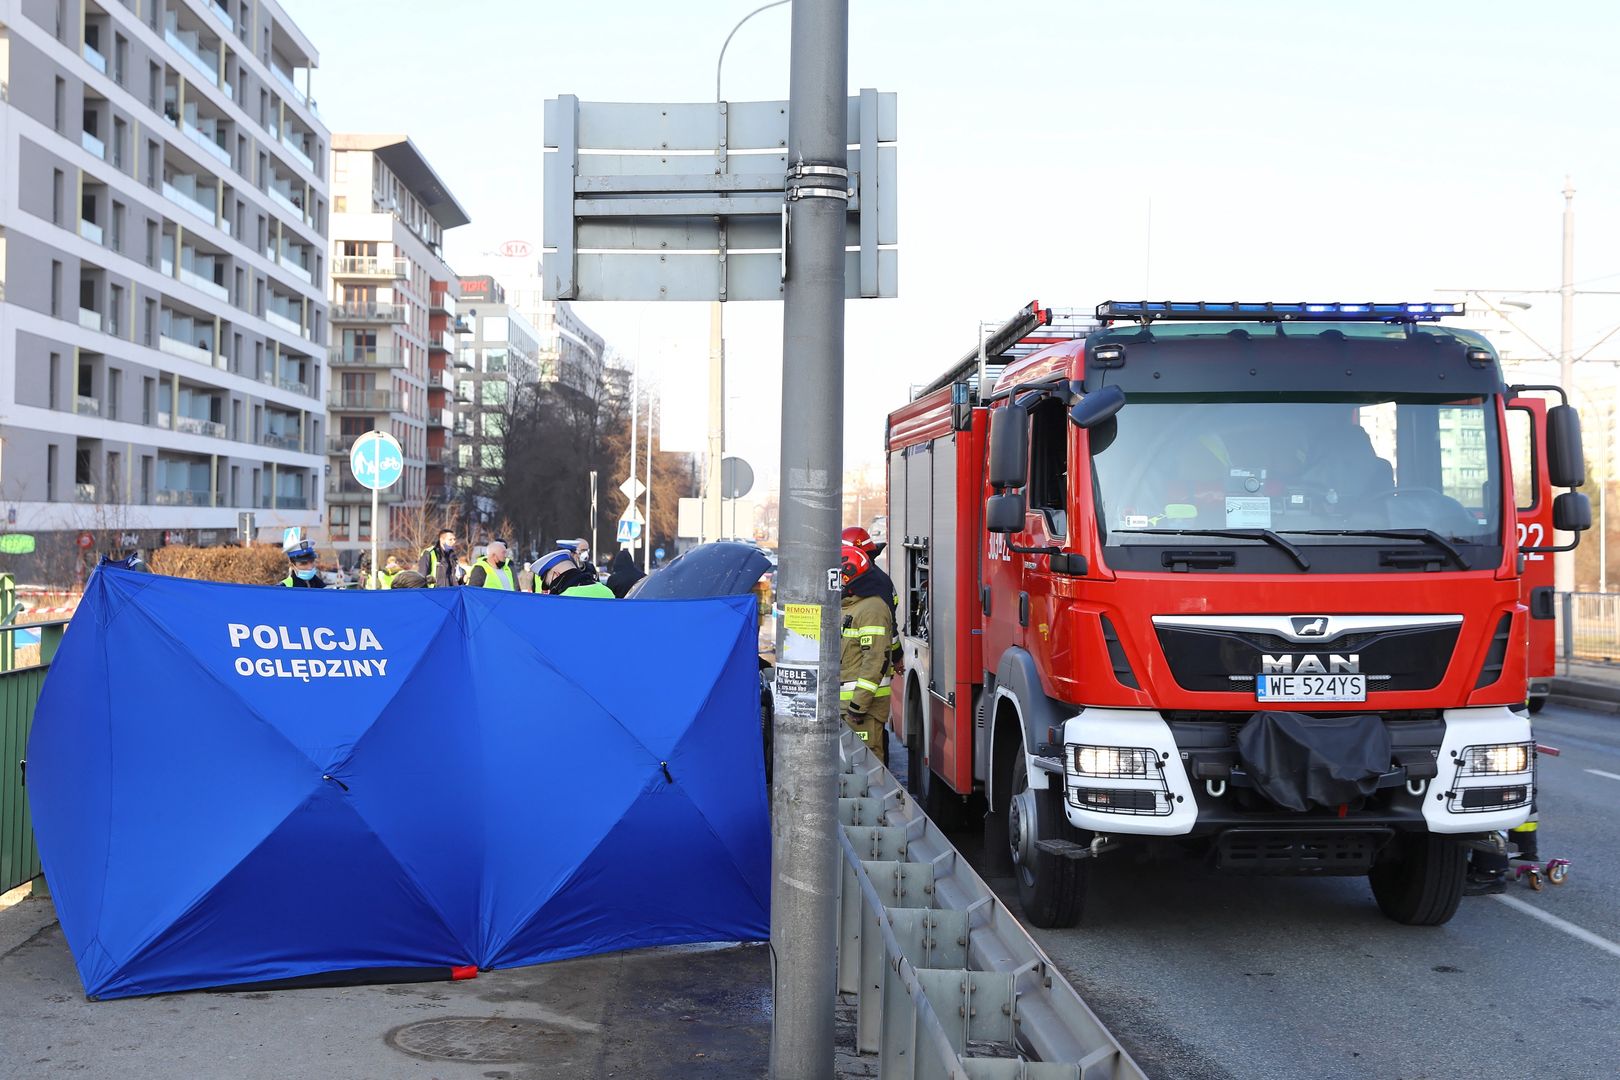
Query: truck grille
[(1228, 660)]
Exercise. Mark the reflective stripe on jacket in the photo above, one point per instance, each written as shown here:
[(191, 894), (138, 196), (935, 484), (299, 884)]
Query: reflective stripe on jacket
[(868, 631)]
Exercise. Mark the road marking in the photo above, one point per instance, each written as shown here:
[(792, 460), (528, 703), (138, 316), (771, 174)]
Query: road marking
[(1600, 772), (1579, 933)]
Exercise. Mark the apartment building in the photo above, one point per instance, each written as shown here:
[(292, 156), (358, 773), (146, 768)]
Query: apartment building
[(163, 246), (394, 335), (570, 353), (499, 355)]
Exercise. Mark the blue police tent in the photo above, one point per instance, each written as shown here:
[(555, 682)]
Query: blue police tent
[(235, 784)]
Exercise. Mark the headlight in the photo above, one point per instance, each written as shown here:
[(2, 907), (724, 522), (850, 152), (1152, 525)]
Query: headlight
[(1495, 760), (1113, 761)]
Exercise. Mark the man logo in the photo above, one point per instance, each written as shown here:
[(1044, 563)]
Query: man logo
[(1310, 626)]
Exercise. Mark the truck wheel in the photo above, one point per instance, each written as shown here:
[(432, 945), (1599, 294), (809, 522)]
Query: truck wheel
[(1537, 703), (1051, 889), (942, 805), (1423, 883)]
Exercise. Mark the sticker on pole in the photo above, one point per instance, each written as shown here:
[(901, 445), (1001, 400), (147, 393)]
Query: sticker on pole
[(796, 690), (796, 671), (376, 460)]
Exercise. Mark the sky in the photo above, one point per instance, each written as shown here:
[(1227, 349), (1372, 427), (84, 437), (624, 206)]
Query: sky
[(1066, 152)]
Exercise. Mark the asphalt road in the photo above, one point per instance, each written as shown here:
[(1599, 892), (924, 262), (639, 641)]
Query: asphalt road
[(1205, 977)]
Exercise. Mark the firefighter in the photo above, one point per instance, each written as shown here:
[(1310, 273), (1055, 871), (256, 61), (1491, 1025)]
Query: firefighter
[(868, 628), (301, 572), (493, 570), (877, 583)]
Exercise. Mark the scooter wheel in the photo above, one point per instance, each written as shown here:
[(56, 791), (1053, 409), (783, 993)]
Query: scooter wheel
[(1557, 873)]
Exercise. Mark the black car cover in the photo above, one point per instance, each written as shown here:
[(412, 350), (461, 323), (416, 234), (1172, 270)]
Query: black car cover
[(1299, 761)]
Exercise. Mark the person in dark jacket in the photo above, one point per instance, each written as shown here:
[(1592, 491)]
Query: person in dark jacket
[(408, 579), (438, 563), (624, 573), (558, 574)]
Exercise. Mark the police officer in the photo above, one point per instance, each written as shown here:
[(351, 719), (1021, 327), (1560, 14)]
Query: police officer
[(559, 574), (493, 570), (301, 572), (868, 627), (438, 563)]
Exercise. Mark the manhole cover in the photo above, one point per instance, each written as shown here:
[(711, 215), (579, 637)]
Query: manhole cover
[(481, 1039)]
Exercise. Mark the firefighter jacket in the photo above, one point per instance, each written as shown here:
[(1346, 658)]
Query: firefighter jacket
[(868, 632)]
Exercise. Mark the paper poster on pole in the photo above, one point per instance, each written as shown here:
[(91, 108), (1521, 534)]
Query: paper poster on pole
[(798, 668)]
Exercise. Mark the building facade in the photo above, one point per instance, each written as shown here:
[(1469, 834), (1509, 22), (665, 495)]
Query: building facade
[(570, 353), (163, 243), (394, 337), (499, 355)]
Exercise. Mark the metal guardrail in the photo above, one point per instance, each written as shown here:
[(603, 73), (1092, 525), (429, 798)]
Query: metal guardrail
[(1589, 626), (19, 693), (948, 984)]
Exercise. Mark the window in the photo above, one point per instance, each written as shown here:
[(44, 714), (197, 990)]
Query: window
[(148, 397), (115, 476), (60, 105), (54, 399), (494, 391), (57, 196), (119, 134), (50, 473), (1049, 464), (154, 81), (115, 390), (340, 204), (56, 288), (115, 310), (495, 360), (117, 224), (120, 58), (1522, 452)]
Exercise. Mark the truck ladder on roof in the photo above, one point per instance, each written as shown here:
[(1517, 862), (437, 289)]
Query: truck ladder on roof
[(1012, 340)]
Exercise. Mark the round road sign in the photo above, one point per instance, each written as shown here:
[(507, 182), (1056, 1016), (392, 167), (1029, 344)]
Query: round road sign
[(376, 460), (86, 541), (736, 478)]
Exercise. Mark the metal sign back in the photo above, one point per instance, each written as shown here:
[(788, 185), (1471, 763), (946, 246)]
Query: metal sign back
[(685, 201)]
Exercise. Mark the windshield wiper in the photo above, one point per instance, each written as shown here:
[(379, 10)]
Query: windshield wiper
[(1397, 534), (1240, 534)]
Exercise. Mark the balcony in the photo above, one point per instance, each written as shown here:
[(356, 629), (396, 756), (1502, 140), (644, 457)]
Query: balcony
[(445, 342), (285, 322), (197, 281), (86, 406), (438, 418), (292, 502), (95, 58), (364, 401), (368, 358), (182, 497), (367, 313), (346, 489), (188, 43), (90, 231), (286, 201), (175, 347), (340, 444), (465, 360), (191, 425), (296, 269), (292, 386), (222, 15), (287, 80), (370, 266), (92, 320), (92, 145), (441, 380), (297, 151), (282, 440), (189, 203), (442, 303), (204, 140)]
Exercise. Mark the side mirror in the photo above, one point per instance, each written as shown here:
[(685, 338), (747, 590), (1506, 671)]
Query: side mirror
[(1009, 448), (1097, 406), (1566, 464), (1004, 513), (1572, 512)]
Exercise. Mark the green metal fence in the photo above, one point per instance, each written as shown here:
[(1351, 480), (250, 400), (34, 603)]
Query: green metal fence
[(19, 693)]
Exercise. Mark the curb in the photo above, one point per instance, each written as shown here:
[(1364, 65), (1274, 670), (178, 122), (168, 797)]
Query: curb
[(1584, 694)]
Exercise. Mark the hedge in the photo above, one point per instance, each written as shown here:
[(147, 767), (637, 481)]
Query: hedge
[(262, 564)]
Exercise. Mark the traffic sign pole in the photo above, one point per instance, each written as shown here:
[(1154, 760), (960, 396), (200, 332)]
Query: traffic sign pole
[(376, 470), (804, 820)]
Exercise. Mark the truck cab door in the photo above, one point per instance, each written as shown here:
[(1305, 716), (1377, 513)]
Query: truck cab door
[(1532, 498)]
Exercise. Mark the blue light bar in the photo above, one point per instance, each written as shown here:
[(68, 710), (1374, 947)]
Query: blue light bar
[(1203, 311)]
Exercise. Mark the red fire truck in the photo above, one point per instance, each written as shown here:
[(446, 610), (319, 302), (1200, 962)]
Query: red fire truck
[(1240, 580)]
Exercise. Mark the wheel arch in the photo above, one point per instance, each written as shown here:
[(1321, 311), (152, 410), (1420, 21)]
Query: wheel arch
[(1020, 713)]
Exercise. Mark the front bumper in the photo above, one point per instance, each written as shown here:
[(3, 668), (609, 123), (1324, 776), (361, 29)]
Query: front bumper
[(1187, 794)]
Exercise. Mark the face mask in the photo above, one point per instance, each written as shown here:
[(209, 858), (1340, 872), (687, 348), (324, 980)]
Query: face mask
[(449, 545), (305, 575)]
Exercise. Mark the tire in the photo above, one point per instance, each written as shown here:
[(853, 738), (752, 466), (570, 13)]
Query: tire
[(1051, 889), (942, 805), (1423, 883), (1537, 703)]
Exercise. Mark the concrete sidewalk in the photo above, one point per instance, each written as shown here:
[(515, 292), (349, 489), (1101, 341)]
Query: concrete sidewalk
[(682, 1012), (1588, 684)]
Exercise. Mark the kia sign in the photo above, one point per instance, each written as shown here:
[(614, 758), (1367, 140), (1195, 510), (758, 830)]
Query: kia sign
[(517, 249)]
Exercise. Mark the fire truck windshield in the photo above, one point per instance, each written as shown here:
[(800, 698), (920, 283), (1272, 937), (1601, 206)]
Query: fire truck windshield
[(1344, 467)]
